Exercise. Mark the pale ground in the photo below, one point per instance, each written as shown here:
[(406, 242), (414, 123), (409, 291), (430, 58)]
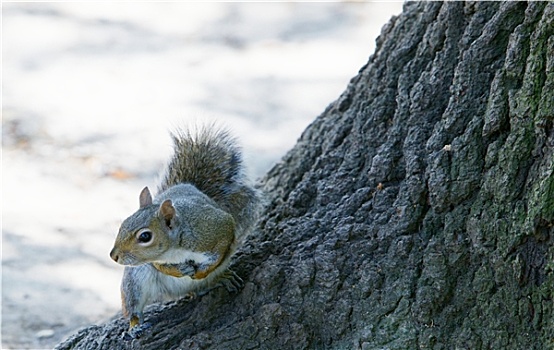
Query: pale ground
[(90, 91)]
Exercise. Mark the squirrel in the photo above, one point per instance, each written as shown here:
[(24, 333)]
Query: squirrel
[(179, 243)]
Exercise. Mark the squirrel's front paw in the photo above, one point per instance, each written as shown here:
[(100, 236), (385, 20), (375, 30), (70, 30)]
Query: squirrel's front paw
[(187, 268), (137, 331)]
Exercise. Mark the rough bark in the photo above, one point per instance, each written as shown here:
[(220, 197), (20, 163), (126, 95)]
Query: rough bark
[(416, 212)]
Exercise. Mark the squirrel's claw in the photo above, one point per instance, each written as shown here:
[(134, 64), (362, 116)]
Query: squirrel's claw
[(136, 332), (228, 279), (231, 281)]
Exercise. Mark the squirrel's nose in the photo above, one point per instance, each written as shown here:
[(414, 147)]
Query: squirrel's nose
[(114, 255)]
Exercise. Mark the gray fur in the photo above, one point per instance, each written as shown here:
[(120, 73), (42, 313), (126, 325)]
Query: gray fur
[(211, 161)]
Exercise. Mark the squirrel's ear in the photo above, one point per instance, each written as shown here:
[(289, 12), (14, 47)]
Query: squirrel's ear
[(167, 211), (145, 197)]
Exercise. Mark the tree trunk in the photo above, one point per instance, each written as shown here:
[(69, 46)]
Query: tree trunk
[(416, 212)]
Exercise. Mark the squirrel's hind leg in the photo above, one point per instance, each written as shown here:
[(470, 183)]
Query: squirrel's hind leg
[(228, 279)]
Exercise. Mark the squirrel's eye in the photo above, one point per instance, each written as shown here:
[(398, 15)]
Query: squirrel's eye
[(144, 236)]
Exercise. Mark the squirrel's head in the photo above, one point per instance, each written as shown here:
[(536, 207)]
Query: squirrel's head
[(144, 236)]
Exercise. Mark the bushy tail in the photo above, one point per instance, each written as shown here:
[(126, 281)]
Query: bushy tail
[(211, 160)]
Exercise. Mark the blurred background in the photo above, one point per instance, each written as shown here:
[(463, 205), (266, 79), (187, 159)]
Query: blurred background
[(89, 93)]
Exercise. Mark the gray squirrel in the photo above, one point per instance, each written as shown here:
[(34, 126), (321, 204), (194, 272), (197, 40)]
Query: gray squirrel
[(180, 242)]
